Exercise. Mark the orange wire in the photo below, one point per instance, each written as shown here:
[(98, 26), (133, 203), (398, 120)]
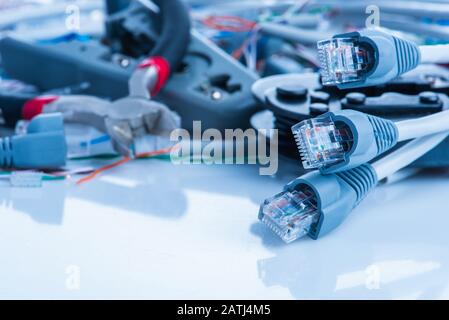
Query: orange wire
[(229, 23), (232, 24), (123, 161)]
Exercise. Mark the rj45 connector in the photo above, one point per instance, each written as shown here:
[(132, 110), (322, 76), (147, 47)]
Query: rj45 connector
[(365, 58)]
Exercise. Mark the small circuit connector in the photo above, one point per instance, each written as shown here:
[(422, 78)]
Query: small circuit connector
[(365, 58), (320, 142), (316, 204), (341, 140), (290, 214), (26, 179)]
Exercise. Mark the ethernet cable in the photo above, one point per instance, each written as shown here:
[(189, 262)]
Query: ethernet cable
[(341, 140), (371, 57), (438, 53), (42, 147), (316, 204)]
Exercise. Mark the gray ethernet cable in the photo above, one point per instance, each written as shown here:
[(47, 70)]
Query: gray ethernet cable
[(315, 204), (341, 140), (370, 57)]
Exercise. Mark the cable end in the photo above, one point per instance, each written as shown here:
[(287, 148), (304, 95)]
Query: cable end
[(316, 204), (290, 214), (320, 142), (342, 60), (365, 58)]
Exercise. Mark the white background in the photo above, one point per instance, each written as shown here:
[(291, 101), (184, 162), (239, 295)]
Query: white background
[(154, 230)]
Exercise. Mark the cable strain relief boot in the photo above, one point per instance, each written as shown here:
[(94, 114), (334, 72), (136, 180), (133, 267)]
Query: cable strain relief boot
[(46, 150), (336, 195), (385, 133), (362, 179), (408, 55), (393, 56), (6, 153), (42, 147)]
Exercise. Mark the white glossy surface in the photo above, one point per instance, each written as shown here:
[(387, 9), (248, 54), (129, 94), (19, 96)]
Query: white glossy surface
[(153, 230)]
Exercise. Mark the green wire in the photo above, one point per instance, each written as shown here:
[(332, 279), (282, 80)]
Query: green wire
[(45, 177), (53, 178)]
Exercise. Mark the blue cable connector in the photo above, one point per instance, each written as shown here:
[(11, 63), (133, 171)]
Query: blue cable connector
[(365, 58), (43, 147), (316, 204), (342, 140)]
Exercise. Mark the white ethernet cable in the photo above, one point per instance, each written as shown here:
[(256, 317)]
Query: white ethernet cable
[(315, 204), (435, 53), (419, 127), (370, 57), (341, 140), (412, 151)]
